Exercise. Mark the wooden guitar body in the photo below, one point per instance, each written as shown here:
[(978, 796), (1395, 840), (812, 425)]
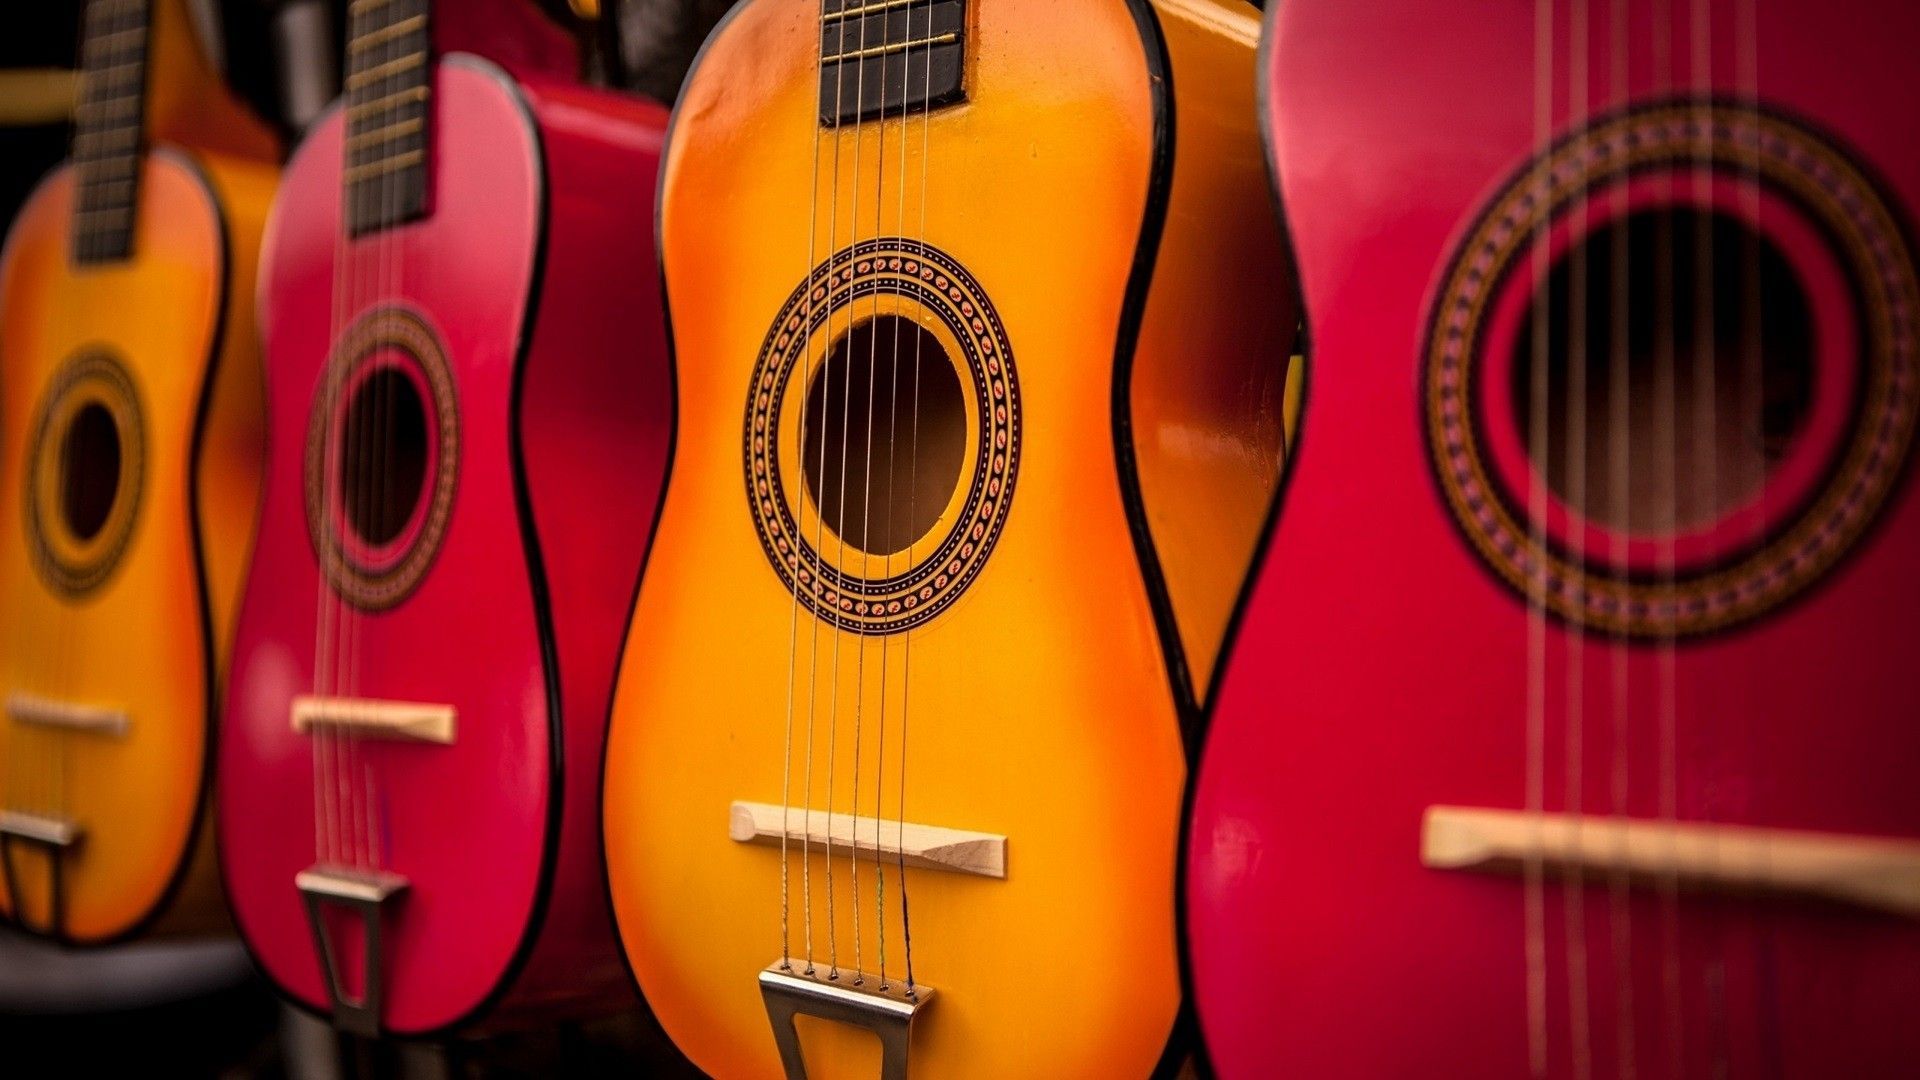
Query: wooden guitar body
[(1681, 724), (130, 433), (982, 653), (524, 314)]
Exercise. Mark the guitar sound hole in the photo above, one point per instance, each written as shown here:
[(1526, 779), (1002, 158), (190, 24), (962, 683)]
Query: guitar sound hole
[(899, 472), (89, 471), (1698, 375), (384, 464)]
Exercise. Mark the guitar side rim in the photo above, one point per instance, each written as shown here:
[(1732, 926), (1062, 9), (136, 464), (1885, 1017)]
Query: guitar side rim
[(1208, 695)]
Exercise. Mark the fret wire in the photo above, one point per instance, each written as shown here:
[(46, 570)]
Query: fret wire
[(361, 7), (386, 133), (106, 192), (362, 79), (898, 46), (99, 186), (867, 9), (95, 74), (122, 103), (388, 101), (870, 8), (101, 26), (115, 209), (136, 32), (383, 166), (113, 60), (386, 33), (102, 134)]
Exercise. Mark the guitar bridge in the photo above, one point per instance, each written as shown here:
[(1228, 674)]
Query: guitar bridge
[(365, 893), (54, 837), (1872, 872), (36, 711), (886, 1010)]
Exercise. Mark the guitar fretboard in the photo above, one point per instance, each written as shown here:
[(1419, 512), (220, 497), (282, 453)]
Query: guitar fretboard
[(882, 58), (108, 121), (389, 87)]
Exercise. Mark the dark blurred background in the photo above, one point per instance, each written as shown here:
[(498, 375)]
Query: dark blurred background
[(643, 46)]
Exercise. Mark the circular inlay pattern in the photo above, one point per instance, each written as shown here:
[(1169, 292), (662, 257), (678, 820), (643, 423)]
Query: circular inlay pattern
[(838, 582), (85, 473), (1785, 159), (351, 458)]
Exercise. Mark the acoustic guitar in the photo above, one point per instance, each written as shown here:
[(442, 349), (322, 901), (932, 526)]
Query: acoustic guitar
[(129, 439), (469, 405), (960, 346), (1568, 729)]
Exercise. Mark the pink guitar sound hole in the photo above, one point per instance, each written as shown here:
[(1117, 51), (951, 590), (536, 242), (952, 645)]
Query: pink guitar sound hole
[(382, 458), (386, 456), (1679, 412), (1764, 345)]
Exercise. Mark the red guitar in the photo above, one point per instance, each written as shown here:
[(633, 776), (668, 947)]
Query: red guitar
[(469, 404), (1571, 725)]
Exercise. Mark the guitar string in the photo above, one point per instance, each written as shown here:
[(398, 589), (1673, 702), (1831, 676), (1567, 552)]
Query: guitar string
[(377, 456), (845, 349), (1573, 723), (866, 499), (354, 474), (893, 464), (913, 514), (812, 280), (1665, 455), (46, 751), (332, 488), (368, 268), (1534, 899), (52, 746), (353, 458), (43, 751), (1705, 450), (332, 457), (1620, 449), (43, 746), (1753, 343), (820, 488), (429, 426)]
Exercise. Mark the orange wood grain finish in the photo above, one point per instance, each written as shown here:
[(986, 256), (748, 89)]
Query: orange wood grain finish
[(1211, 380), (1037, 705), (178, 317)]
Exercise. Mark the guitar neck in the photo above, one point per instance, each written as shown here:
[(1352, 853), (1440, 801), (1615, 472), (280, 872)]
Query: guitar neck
[(881, 58), (389, 108), (109, 120)]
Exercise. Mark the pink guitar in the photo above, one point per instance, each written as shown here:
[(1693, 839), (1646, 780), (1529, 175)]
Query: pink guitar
[(470, 412), (1571, 725)]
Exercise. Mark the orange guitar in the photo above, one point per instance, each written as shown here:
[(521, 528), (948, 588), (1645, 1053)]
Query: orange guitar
[(130, 420), (979, 417)]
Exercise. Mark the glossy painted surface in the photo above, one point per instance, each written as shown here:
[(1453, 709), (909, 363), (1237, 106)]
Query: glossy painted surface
[(1210, 386), (179, 316), (531, 270), (1381, 668), (1038, 704)]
